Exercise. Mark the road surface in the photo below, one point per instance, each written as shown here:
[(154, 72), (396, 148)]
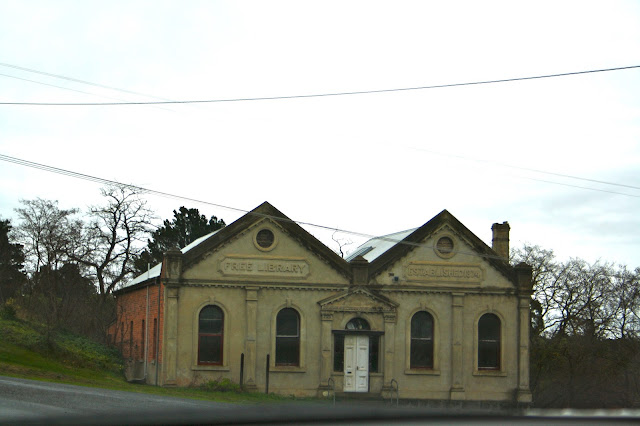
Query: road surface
[(27, 401)]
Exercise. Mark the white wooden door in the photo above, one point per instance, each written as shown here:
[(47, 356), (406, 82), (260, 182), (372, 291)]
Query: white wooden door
[(356, 363)]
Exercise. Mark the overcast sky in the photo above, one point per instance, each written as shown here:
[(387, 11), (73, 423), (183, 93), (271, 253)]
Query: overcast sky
[(372, 163)]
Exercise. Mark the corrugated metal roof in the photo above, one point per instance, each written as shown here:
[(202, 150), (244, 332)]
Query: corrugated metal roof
[(155, 271), (378, 245)]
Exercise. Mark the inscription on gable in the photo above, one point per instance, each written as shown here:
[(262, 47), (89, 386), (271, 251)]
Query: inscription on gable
[(264, 266), (449, 272)]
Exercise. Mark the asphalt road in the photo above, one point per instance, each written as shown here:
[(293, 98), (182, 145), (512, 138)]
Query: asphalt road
[(30, 401)]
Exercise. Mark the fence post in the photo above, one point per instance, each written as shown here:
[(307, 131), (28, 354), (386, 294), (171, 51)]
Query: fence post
[(242, 371), (267, 375)]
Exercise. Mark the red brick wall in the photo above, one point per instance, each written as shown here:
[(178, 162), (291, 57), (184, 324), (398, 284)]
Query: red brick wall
[(133, 308)]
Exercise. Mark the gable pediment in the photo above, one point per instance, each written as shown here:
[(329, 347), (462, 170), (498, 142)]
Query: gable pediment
[(239, 252), (468, 262), (358, 300)]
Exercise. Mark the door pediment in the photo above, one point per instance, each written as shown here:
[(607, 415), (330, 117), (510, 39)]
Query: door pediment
[(358, 300)]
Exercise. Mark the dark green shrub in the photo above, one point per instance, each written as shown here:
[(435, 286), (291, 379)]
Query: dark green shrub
[(8, 311)]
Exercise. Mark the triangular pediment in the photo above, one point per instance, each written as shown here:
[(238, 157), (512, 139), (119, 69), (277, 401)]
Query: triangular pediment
[(293, 265), (358, 300), (447, 223)]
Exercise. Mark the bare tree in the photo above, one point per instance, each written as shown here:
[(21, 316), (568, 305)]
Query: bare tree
[(116, 233), (625, 302), (341, 242), (46, 233), (586, 352)]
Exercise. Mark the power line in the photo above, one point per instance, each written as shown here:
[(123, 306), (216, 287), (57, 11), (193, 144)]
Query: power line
[(478, 160), (103, 181), (362, 92), (580, 187), (75, 80), (53, 85)]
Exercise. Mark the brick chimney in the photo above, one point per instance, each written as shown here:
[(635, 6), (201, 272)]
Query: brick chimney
[(500, 242)]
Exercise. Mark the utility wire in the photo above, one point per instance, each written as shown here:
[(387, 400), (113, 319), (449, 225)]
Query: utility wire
[(75, 90), (58, 87), (478, 160), (580, 187), (362, 92), (75, 80), (103, 181)]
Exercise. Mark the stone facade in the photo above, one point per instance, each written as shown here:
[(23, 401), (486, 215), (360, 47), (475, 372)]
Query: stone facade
[(434, 310)]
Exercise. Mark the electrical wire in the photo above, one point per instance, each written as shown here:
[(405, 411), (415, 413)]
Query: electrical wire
[(79, 91), (318, 95), (58, 87), (140, 189), (478, 160), (75, 80)]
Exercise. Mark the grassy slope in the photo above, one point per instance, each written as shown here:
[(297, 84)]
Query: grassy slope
[(25, 353)]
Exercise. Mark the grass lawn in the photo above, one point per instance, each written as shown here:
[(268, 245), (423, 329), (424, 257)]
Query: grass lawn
[(25, 352)]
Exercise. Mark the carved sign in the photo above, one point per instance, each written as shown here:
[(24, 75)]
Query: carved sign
[(450, 272), (264, 266)]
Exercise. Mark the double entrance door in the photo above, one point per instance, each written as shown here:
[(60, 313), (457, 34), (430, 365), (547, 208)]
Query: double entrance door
[(356, 363)]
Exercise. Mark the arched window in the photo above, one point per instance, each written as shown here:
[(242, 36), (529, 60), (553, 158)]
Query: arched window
[(210, 335), (288, 337), (489, 342), (422, 340)]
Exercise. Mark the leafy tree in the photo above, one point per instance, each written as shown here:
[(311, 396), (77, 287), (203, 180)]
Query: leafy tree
[(186, 226), (12, 276)]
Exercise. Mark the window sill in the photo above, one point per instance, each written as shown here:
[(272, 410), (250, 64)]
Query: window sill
[(424, 372), (490, 373), (287, 369), (209, 367)]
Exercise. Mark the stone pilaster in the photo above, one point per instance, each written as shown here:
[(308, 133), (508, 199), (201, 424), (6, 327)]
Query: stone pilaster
[(250, 361), (390, 320), (360, 270), (525, 289), (325, 344), (172, 265), (524, 393), (170, 357), (457, 326)]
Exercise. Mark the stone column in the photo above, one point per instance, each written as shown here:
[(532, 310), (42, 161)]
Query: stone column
[(172, 273), (250, 360), (325, 344), (390, 319), (457, 360)]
